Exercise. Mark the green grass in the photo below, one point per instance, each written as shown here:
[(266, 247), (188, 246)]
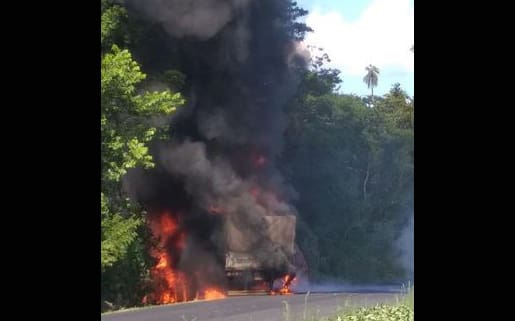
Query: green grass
[(402, 310), (383, 312), (409, 299)]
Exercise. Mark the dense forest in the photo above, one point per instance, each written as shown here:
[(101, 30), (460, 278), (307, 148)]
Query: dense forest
[(344, 162)]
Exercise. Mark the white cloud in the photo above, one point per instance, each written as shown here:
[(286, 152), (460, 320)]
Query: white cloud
[(382, 36)]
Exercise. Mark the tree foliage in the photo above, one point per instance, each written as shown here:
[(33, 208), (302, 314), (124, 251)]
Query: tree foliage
[(353, 168), (127, 111), (113, 25), (117, 234), (125, 115)]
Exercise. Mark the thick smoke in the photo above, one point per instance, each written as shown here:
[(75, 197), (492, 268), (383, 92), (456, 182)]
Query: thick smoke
[(241, 63), (214, 185), (198, 18)]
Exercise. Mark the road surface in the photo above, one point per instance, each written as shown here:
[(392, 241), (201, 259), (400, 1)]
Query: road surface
[(253, 308)]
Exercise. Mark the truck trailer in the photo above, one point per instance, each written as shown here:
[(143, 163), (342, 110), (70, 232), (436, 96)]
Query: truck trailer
[(260, 260)]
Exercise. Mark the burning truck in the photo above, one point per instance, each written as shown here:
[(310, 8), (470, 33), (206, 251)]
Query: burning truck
[(260, 262), (220, 231), (217, 202), (249, 260)]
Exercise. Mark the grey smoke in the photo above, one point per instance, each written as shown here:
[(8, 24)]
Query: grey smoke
[(205, 179), (215, 183), (197, 18), (298, 50), (195, 258), (214, 125), (241, 67)]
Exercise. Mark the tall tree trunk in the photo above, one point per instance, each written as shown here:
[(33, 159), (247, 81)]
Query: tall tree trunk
[(365, 182), (372, 95)]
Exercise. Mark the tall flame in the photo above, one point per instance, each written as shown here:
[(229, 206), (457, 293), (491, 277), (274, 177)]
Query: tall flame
[(169, 284)]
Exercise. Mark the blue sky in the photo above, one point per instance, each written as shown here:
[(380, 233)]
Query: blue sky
[(355, 33)]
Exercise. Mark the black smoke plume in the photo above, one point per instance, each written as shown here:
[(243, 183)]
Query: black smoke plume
[(242, 61)]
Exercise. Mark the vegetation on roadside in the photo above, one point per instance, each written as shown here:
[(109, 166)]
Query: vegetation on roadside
[(382, 312), (401, 310)]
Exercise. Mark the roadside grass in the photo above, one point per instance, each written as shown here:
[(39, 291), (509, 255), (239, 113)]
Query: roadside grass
[(382, 312), (409, 298), (401, 310)]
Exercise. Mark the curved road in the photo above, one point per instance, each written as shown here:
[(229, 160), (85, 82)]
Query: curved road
[(253, 308)]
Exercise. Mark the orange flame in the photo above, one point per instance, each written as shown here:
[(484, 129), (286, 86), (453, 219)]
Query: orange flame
[(213, 294), (168, 226), (172, 286), (285, 287), (169, 284)]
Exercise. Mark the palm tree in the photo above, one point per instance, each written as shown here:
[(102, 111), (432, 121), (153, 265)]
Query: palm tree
[(371, 78)]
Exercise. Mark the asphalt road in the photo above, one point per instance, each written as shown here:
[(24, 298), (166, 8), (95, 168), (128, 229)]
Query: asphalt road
[(253, 308)]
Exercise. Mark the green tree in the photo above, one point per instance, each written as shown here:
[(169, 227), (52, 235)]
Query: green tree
[(371, 78), (113, 28), (397, 107), (128, 114), (353, 169), (126, 128)]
